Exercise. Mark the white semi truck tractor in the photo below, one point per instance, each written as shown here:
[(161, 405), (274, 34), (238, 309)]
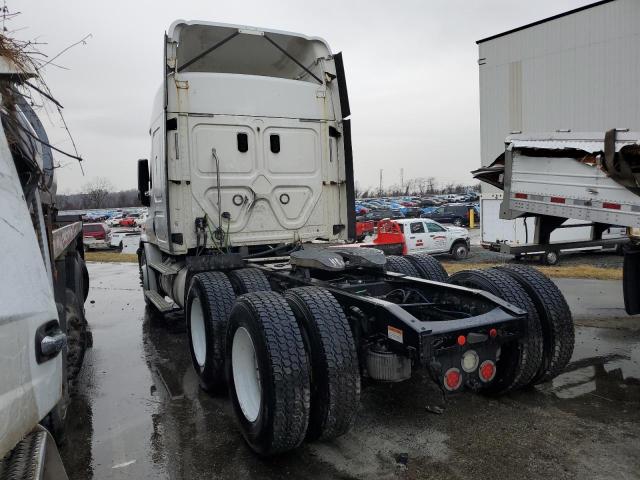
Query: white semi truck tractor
[(250, 234), (43, 287)]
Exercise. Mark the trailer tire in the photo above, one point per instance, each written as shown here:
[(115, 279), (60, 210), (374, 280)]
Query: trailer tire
[(268, 373), (428, 267), (551, 257), (85, 278), (399, 264), (331, 349), (78, 334), (555, 317), (520, 360), (248, 280), (209, 302)]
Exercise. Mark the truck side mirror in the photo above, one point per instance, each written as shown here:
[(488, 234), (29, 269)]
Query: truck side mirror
[(143, 182)]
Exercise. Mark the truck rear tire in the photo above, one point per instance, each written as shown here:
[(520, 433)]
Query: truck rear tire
[(248, 280), (520, 360), (268, 373), (555, 318), (428, 267), (209, 302), (335, 374), (401, 265)]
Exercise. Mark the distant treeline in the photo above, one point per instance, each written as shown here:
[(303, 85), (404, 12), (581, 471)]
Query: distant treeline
[(89, 200), (420, 187)]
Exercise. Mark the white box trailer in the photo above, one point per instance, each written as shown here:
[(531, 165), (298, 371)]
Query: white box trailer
[(577, 71)]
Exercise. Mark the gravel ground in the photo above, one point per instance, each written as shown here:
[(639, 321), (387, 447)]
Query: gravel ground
[(596, 259)]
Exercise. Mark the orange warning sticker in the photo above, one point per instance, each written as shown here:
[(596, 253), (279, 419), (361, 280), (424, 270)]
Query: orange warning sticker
[(394, 333)]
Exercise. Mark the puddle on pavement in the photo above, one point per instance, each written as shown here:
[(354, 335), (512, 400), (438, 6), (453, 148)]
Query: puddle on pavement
[(605, 365)]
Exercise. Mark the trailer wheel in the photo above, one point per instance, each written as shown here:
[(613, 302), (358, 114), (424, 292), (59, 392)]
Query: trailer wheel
[(268, 373), (209, 302), (401, 265), (428, 267), (335, 374), (519, 360), (555, 317), (552, 257), (248, 280)]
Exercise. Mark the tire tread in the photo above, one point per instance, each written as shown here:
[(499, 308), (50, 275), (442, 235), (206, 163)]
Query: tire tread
[(334, 410)]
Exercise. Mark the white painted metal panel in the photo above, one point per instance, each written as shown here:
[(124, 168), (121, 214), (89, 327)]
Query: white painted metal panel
[(28, 390), (578, 72)]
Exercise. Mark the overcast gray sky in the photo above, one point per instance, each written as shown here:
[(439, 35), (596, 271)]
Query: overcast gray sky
[(411, 69)]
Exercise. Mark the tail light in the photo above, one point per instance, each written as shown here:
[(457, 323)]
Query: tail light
[(487, 371), (469, 361), (452, 379)]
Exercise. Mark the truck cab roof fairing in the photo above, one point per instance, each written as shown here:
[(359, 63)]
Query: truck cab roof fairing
[(246, 50)]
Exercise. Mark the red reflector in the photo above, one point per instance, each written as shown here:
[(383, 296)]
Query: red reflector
[(612, 206), (558, 199), (462, 340), (493, 333), (487, 370), (452, 379), (521, 195)]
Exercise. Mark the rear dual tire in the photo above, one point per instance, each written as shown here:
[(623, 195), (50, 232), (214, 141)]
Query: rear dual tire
[(555, 318), (268, 373), (519, 360), (292, 368), (207, 309), (419, 265), (335, 375)]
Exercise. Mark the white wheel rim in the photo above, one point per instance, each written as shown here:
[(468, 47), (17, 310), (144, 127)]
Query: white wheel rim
[(198, 334), (462, 251), (246, 377)]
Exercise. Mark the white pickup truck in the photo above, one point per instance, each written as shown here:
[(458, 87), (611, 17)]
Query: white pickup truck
[(427, 236)]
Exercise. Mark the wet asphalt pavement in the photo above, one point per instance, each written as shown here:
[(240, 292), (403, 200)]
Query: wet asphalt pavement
[(137, 411)]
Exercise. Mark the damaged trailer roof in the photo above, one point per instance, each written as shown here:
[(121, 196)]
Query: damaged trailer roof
[(587, 148)]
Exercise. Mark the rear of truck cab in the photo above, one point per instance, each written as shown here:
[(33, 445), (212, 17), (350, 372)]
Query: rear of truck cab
[(249, 140)]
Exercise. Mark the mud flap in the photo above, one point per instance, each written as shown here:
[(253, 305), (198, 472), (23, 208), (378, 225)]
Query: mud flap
[(630, 280)]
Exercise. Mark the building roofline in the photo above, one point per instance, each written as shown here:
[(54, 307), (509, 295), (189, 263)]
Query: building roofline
[(529, 25)]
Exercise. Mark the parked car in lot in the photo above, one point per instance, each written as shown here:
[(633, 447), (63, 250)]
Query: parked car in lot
[(427, 236), (379, 214), (456, 214), (114, 220), (130, 220), (96, 235), (118, 237)]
